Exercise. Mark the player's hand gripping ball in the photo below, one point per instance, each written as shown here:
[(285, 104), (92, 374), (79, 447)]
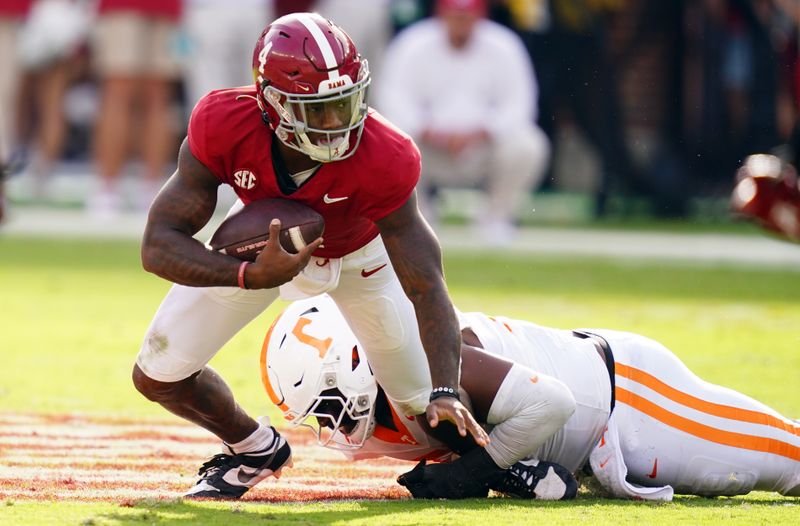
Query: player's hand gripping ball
[(244, 233)]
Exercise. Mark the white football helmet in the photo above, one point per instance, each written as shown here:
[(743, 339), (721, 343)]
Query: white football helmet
[(313, 366)]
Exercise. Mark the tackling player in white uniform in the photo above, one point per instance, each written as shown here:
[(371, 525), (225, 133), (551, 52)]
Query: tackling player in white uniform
[(546, 395)]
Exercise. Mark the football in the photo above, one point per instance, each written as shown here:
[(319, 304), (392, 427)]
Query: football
[(244, 233)]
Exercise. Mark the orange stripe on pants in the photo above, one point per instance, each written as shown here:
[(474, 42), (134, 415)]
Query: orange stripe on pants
[(727, 438), (724, 411)]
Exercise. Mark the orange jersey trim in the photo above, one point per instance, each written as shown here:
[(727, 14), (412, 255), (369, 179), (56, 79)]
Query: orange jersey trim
[(392, 436), (504, 324), (711, 408)]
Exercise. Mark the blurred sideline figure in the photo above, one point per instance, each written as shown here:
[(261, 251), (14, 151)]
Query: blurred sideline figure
[(220, 36), (12, 13), (464, 88), (50, 42), (367, 23), (646, 426), (135, 59)]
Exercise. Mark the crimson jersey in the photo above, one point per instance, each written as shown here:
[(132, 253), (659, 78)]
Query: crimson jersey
[(15, 8), (226, 133), (170, 9)]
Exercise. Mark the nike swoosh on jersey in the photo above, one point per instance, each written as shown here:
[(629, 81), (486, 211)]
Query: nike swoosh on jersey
[(367, 273), (328, 200)]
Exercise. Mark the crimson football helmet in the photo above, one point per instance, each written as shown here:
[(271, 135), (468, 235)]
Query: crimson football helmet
[(313, 366), (311, 85), (768, 192)]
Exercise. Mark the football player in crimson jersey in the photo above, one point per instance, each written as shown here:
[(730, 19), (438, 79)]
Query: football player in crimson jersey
[(547, 395), (302, 132)]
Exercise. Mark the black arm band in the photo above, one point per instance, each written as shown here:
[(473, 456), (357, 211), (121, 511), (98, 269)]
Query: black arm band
[(440, 392)]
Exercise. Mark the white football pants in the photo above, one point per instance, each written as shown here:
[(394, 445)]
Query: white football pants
[(676, 429), (193, 323)]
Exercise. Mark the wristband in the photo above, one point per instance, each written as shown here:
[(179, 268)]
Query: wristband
[(240, 277), (440, 392)]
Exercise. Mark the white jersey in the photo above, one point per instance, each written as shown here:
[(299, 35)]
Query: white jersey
[(553, 352), (557, 353)]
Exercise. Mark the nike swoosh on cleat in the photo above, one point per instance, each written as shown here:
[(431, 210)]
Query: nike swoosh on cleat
[(367, 273), (245, 475), (329, 200)]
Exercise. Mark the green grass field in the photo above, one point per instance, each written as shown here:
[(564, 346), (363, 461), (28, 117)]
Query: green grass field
[(74, 313)]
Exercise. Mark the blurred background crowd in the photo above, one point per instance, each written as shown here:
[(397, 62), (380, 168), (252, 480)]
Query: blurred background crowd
[(633, 104)]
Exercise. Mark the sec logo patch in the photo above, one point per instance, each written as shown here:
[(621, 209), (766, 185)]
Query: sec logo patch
[(244, 179)]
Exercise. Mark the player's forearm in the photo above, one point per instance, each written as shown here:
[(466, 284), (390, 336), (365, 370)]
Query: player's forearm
[(417, 260), (182, 259), (184, 206), (423, 282), (441, 339)]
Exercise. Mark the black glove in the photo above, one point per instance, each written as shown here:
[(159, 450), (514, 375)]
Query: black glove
[(467, 477)]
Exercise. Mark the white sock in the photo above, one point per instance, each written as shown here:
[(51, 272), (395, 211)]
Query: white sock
[(258, 441)]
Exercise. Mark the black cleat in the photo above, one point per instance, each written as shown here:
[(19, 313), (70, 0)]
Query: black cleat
[(230, 476)]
